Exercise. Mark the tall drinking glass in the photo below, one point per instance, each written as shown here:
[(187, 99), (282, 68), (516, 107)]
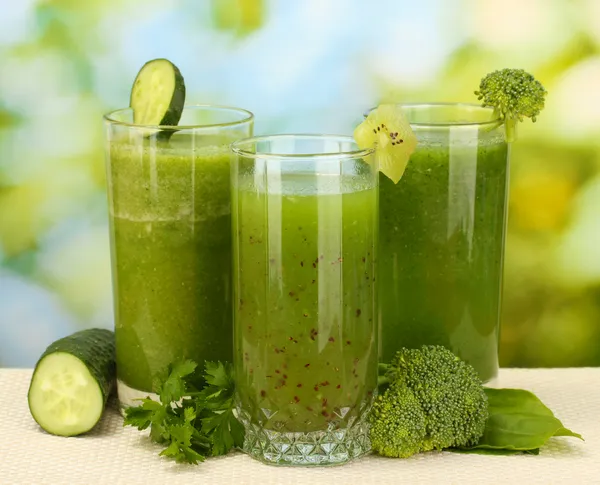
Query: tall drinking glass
[(170, 227), (305, 326), (442, 231)]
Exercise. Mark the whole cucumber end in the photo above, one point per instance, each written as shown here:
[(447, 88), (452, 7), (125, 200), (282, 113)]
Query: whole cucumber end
[(64, 398)]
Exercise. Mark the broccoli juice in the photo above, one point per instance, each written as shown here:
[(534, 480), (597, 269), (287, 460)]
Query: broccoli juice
[(441, 250), (305, 309), (171, 246)]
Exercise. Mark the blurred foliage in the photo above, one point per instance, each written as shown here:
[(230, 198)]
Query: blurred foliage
[(54, 87), (238, 16), (8, 119)]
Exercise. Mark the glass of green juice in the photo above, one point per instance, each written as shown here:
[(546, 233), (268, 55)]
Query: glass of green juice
[(170, 227), (305, 211), (442, 230)]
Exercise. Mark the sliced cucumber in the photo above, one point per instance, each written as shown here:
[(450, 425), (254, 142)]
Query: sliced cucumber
[(158, 94), (72, 381)]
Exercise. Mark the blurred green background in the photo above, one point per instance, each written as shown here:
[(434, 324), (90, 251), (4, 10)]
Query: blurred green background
[(312, 65)]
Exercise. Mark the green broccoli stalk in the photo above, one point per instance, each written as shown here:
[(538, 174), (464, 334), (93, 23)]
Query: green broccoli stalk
[(514, 94), (431, 400)]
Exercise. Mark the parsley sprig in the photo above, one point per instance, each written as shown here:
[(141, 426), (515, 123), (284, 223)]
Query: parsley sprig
[(191, 423)]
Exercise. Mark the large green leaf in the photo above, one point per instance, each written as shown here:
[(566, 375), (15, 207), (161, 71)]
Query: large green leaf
[(519, 422)]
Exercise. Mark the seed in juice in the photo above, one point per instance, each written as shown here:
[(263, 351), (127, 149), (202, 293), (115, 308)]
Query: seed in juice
[(388, 131)]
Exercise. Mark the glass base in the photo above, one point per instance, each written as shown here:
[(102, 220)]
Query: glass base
[(493, 382), (128, 396), (334, 446)]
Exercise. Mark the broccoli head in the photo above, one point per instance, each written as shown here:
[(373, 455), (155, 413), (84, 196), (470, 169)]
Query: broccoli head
[(434, 401), (514, 94), (397, 423)]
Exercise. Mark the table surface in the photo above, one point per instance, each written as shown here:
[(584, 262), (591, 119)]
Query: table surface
[(113, 454)]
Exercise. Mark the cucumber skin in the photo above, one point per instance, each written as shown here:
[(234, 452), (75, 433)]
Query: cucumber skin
[(95, 348), (173, 114)]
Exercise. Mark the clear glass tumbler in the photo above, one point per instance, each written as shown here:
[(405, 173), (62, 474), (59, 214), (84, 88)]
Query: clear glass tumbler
[(442, 230), (305, 322), (170, 228)]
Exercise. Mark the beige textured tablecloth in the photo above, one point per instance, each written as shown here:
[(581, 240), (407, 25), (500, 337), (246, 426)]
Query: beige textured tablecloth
[(111, 454)]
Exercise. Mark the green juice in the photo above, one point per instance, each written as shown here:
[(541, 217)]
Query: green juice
[(306, 325), (442, 233), (171, 250)]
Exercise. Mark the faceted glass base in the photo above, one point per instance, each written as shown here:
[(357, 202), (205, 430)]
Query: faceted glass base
[(333, 446)]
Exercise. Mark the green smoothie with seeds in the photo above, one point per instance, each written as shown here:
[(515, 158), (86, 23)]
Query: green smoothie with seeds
[(306, 315)]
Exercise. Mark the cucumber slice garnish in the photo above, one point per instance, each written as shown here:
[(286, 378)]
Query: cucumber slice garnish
[(158, 94)]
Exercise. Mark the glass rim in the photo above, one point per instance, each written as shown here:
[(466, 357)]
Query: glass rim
[(496, 120), (239, 147), (245, 117)]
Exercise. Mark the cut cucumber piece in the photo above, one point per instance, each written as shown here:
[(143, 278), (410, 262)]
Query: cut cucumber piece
[(72, 381), (158, 94)]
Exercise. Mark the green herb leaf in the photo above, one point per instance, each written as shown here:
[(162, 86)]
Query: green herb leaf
[(191, 424), (219, 422), (174, 387), (139, 417), (218, 375), (224, 429), (518, 421)]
